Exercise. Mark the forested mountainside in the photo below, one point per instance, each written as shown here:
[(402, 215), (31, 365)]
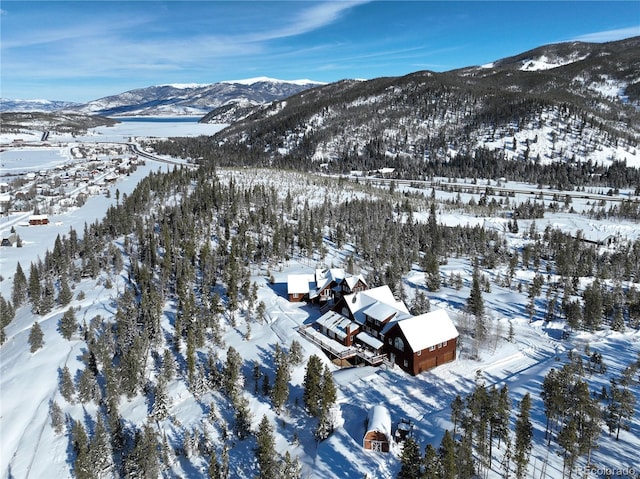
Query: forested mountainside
[(581, 114)]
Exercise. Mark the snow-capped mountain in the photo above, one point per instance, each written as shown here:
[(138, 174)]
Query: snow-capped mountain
[(7, 104), (195, 99)]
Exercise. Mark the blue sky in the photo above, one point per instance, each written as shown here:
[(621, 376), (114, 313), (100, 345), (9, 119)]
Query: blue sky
[(81, 51)]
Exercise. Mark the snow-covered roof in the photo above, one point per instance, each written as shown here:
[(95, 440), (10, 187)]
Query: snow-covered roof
[(336, 323), (379, 420), (370, 341), (299, 283), (428, 329), (353, 280), (380, 311), (357, 302), (324, 278)]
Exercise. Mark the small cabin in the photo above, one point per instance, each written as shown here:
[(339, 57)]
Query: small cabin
[(378, 434)]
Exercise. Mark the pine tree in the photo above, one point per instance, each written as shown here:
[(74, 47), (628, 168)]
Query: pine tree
[(431, 461), (431, 271), (502, 415), (265, 451), (291, 468), (447, 456), (420, 304), (144, 458), (554, 392), (329, 393), (593, 306), (100, 451), (475, 303), (411, 460), (68, 324), (280, 389), (87, 386), (36, 337), (231, 375), (48, 299), (168, 365), (191, 355), (295, 353), (64, 295), (7, 313), (524, 435), (457, 409), (57, 417), (20, 287), (327, 399), (313, 385), (243, 417), (214, 466), (82, 464), (160, 402), (621, 406), (464, 461), (67, 388)]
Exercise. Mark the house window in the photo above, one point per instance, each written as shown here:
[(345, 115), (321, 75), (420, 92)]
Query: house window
[(419, 353), (432, 348), (406, 363), (439, 345), (444, 344), (398, 344), (295, 295), (351, 338)]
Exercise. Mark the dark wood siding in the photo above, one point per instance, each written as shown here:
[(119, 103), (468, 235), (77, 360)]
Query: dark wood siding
[(419, 361)]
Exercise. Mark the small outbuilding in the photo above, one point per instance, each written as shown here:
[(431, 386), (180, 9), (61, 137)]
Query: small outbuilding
[(38, 220), (378, 435)]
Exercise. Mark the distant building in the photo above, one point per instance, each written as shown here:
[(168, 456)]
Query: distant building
[(323, 286), (9, 240), (38, 220), (5, 203)]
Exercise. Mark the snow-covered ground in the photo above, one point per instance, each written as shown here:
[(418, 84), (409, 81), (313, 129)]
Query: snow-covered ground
[(29, 448)]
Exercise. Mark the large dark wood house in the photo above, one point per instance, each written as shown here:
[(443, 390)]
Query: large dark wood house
[(419, 343), (375, 320)]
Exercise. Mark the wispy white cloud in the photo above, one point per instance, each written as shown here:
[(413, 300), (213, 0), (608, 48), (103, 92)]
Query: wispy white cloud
[(610, 35), (310, 19)]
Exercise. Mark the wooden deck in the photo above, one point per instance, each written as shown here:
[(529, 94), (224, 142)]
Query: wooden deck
[(339, 351)]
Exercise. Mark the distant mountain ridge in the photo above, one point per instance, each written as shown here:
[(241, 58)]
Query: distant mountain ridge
[(175, 99), (20, 106)]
